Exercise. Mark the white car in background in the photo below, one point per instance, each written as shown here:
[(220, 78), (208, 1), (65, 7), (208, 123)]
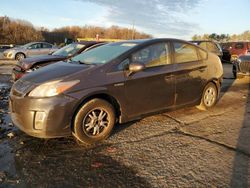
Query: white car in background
[(29, 50)]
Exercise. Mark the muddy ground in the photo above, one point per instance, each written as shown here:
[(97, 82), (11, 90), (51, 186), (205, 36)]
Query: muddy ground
[(183, 148)]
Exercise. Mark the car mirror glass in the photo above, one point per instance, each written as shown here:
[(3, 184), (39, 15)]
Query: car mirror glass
[(136, 67)]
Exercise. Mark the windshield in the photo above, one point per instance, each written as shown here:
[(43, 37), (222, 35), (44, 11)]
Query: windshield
[(69, 50), (104, 54)]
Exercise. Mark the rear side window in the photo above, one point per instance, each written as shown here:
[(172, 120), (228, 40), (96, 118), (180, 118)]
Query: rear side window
[(47, 45), (239, 46), (153, 55), (185, 52)]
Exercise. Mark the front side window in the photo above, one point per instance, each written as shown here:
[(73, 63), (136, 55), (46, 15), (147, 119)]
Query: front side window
[(47, 45), (153, 55), (36, 46), (185, 52)]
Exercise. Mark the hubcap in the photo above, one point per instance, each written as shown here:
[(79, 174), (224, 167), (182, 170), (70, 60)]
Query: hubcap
[(210, 96), (95, 122), (20, 57)]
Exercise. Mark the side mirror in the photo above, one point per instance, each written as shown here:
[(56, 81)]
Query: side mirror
[(135, 67)]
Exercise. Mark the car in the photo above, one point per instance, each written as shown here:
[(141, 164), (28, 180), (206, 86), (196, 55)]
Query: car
[(236, 49), (226, 57), (31, 64), (241, 66), (114, 83), (28, 50), (211, 46)]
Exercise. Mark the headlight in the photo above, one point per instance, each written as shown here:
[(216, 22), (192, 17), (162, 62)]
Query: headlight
[(52, 88)]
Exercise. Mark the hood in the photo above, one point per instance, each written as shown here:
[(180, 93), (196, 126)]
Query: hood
[(55, 71), (27, 63)]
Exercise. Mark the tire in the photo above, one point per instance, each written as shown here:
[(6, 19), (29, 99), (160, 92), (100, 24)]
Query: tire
[(19, 56), (234, 72), (94, 121), (209, 97)]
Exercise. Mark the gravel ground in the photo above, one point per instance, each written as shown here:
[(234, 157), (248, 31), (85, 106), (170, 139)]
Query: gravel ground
[(182, 148)]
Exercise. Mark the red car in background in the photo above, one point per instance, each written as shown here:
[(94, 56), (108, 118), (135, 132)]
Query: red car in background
[(236, 49)]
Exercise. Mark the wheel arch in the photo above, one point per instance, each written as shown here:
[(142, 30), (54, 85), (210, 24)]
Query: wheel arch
[(217, 82), (104, 96)]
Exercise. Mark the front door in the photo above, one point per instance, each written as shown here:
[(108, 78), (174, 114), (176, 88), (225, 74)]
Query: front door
[(153, 88)]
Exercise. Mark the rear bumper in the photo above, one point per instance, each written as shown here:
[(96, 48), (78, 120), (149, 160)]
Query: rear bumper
[(58, 112)]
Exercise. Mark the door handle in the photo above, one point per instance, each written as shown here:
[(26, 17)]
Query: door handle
[(169, 77)]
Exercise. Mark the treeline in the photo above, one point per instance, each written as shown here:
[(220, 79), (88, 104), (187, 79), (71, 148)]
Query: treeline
[(14, 31), (17, 31), (245, 36)]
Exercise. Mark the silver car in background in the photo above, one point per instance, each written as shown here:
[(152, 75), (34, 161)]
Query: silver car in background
[(29, 50)]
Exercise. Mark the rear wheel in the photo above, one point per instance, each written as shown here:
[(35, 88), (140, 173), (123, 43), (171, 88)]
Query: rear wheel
[(209, 97), (94, 121), (19, 56)]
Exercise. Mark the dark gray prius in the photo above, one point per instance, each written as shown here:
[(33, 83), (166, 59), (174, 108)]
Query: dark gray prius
[(114, 83)]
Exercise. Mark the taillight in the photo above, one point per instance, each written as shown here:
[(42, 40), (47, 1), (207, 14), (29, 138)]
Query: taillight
[(246, 51)]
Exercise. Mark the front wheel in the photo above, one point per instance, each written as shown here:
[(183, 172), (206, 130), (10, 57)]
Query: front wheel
[(209, 97), (94, 121), (19, 56)]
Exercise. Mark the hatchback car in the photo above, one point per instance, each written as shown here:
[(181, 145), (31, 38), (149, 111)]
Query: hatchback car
[(31, 64), (114, 83), (241, 66), (28, 50)]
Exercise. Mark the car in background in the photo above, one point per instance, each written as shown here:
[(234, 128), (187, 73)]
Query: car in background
[(116, 82), (236, 49), (29, 50), (210, 46), (31, 64), (241, 66), (226, 57)]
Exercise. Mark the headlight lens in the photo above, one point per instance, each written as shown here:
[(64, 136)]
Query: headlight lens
[(52, 88)]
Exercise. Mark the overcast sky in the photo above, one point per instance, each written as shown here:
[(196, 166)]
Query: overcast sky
[(161, 18)]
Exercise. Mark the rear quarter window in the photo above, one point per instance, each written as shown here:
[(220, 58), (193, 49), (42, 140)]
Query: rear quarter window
[(202, 54)]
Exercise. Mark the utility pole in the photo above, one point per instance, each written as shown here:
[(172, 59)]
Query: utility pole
[(133, 30)]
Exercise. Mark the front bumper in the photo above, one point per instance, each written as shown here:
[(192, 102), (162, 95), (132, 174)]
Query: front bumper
[(58, 113), (9, 55)]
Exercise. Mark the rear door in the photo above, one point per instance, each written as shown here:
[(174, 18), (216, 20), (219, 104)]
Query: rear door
[(153, 88), (190, 72), (46, 48)]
